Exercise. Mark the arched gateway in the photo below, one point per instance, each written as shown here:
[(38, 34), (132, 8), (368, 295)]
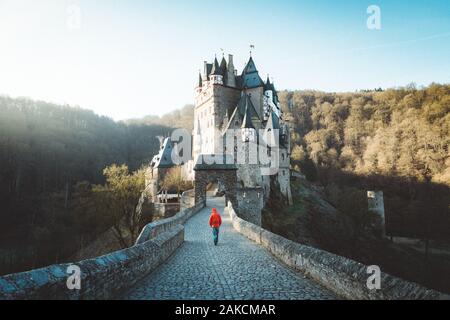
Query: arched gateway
[(224, 173)]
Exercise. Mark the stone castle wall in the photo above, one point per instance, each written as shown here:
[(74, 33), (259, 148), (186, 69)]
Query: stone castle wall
[(250, 203), (345, 277), (103, 277), (224, 97)]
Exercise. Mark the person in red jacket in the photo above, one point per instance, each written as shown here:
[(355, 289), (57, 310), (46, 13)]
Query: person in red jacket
[(215, 221)]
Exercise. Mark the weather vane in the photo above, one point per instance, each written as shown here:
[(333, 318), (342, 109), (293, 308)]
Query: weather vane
[(251, 47)]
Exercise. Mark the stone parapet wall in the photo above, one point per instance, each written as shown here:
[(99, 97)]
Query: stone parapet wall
[(153, 229), (164, 210), (102, 277), (345, 277)]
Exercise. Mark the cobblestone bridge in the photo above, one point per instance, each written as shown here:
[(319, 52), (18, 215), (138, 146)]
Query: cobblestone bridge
[(235, 269)]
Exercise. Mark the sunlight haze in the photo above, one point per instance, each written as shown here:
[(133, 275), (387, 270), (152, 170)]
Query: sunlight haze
[(128, 59)]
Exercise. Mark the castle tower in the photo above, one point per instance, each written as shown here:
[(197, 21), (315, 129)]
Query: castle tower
[(236, 115), (216, 76), (213, 102), (253, 85), (246, 104)]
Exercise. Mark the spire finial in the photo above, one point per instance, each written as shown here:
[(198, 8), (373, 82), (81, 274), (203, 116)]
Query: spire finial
[(251, 47)]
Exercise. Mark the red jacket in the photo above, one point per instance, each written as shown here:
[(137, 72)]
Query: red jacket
[(215, 220)]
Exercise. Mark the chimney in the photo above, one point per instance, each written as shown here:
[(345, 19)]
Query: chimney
[(230, 60), (231, 80), (205, 71)]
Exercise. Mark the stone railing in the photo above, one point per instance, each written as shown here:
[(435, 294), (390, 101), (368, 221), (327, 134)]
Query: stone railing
[(343, 276), (103, 277), (153, 229), (164, 210)]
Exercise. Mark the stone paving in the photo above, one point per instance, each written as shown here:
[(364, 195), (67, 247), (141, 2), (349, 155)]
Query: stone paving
[(235, 269)]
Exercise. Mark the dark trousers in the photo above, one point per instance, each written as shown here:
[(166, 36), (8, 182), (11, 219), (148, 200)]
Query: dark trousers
[(215, 235)]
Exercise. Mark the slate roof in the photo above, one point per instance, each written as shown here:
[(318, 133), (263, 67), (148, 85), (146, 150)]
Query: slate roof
[(244, 106), (273, 122), (216, 68), (268, 85), (248, 79), (223, 66), (247, 121), (250, 76)]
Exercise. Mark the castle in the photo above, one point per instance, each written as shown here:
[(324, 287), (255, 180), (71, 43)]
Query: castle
[(238, 116)]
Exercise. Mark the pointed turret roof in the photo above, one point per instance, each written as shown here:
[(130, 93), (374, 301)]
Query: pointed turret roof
[(269, 86), (247, 121), (250, 76), (223, 65), (244, 108), (216, 68), (246, 103), (250, 67)]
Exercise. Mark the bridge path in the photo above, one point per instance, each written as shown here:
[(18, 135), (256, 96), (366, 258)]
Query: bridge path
[(235, 269)]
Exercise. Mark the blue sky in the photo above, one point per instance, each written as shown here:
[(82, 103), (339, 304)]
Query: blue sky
[(131, 58)]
